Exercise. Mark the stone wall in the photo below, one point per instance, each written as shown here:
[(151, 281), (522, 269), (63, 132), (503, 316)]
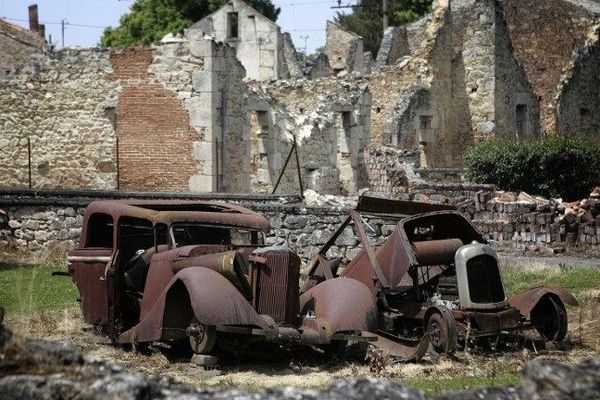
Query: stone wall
[(544, 35), (148, 118), (46, 228), (258, 41), (18, 46), (577, 106), (344, 50), (330, 120), (400, 41), (62, 103)]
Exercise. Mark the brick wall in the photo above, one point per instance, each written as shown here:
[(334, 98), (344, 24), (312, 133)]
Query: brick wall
[(152, 127)]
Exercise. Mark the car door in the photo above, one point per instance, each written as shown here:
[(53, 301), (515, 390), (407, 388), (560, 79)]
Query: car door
[(89, 265)]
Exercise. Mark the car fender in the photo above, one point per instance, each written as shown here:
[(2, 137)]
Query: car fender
[(337, 305), (194, 292), (526, 301)]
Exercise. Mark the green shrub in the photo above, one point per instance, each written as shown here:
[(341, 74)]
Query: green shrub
[(551, 167)]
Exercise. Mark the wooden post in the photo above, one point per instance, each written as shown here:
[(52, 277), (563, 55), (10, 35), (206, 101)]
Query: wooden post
[(29, 161), (298, 167)]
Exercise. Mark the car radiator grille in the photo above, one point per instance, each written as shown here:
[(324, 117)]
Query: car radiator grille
[(276, 286), (485, 284)]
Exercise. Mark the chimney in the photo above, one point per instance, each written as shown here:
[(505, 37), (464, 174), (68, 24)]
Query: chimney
[(34, 23), (43, 31)]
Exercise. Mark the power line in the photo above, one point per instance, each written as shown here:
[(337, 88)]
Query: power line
[(57, 23)]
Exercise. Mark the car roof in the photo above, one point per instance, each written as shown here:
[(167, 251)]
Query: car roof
[(171, 211)]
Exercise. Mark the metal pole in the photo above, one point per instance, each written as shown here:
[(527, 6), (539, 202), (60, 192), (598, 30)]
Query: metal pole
[(287, 160), (62, 26), (217, 172), (29, 160), (385, 14), (118, 165), (298, 167)]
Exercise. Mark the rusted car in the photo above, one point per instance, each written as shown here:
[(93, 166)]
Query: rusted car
[(200, 272), (437, 280)]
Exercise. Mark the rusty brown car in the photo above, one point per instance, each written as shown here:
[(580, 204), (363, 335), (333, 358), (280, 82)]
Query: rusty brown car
[(200, 273), (437, 280)]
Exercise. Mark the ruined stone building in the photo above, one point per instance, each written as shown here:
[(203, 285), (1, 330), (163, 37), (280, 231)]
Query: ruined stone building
[(219, 108), (18, 44), (260, 46)]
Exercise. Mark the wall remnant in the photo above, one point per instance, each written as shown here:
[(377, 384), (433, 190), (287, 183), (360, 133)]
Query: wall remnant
[(344, 50), (260, 46), (576, 100)]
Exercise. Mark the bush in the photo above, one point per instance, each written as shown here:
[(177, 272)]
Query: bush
[(551, 167)]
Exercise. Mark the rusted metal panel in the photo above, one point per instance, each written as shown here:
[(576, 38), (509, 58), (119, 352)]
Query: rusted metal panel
[(88, 267), (526, 301), (213, 300), (168, 211), (275, 285), (498, 321), (337, 305), (397, 208), (436, 252)]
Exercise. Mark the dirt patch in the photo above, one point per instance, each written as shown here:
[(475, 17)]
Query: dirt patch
[(302, 371)]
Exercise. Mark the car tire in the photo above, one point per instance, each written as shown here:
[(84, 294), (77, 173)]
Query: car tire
[(438, 329)]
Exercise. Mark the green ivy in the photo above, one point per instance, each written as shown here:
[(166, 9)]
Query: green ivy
[(550, 167)]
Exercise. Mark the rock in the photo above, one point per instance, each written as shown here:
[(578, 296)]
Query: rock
[(547, 380)]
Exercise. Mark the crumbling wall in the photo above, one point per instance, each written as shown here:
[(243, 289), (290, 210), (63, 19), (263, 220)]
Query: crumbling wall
[(544, 35), (18, 46), (344, 49), (330, 120), (577, 106), (294, 68), (152, 127), (509, 220), (258, 40), (400, 41), (487, 78), (63, 104)]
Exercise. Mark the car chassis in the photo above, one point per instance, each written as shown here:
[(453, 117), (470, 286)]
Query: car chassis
[(437, 280)]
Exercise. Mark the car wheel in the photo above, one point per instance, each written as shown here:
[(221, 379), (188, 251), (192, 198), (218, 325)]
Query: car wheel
[(439, 333), (549, 318), (202, 337)]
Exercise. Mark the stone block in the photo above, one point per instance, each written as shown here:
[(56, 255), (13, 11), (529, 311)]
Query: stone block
[(201, 47), (204, 81), (203, 151), (201, 183)]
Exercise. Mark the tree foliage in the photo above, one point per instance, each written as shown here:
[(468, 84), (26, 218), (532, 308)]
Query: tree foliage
[(366, 20), (551, 167), (150, 20)]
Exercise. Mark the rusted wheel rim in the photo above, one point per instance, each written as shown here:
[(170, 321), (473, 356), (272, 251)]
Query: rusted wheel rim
[(438, 333), (549, 318), (202, 337)]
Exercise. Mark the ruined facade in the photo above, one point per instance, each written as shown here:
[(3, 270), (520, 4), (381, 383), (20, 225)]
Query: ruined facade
[(260, 45), (210, 112), (18, 45), (138, 119)]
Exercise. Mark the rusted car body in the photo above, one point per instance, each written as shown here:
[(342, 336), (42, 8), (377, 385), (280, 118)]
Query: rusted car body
[(436, 276), (174, 271)]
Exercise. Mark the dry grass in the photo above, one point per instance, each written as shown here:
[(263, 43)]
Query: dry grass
[(432, 375)]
